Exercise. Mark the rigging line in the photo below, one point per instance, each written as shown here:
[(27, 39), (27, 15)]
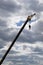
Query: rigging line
[(28, 19)]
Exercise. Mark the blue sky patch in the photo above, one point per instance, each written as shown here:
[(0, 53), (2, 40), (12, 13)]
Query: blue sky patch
[(19, 23)]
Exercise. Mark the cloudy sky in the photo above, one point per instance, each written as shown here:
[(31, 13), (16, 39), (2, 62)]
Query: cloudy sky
[(28, 49)]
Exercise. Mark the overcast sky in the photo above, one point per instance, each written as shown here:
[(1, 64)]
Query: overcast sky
[(28, 49)]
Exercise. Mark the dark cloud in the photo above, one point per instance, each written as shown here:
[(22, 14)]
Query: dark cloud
[(8, 7), (35, 6), (38, 27), (30, 37), (3, 26), (32, 5), (38, 49), (2, 43), (4, 34), (3, 23)]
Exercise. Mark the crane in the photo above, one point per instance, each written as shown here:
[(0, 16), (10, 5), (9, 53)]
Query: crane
[(13, 42)]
